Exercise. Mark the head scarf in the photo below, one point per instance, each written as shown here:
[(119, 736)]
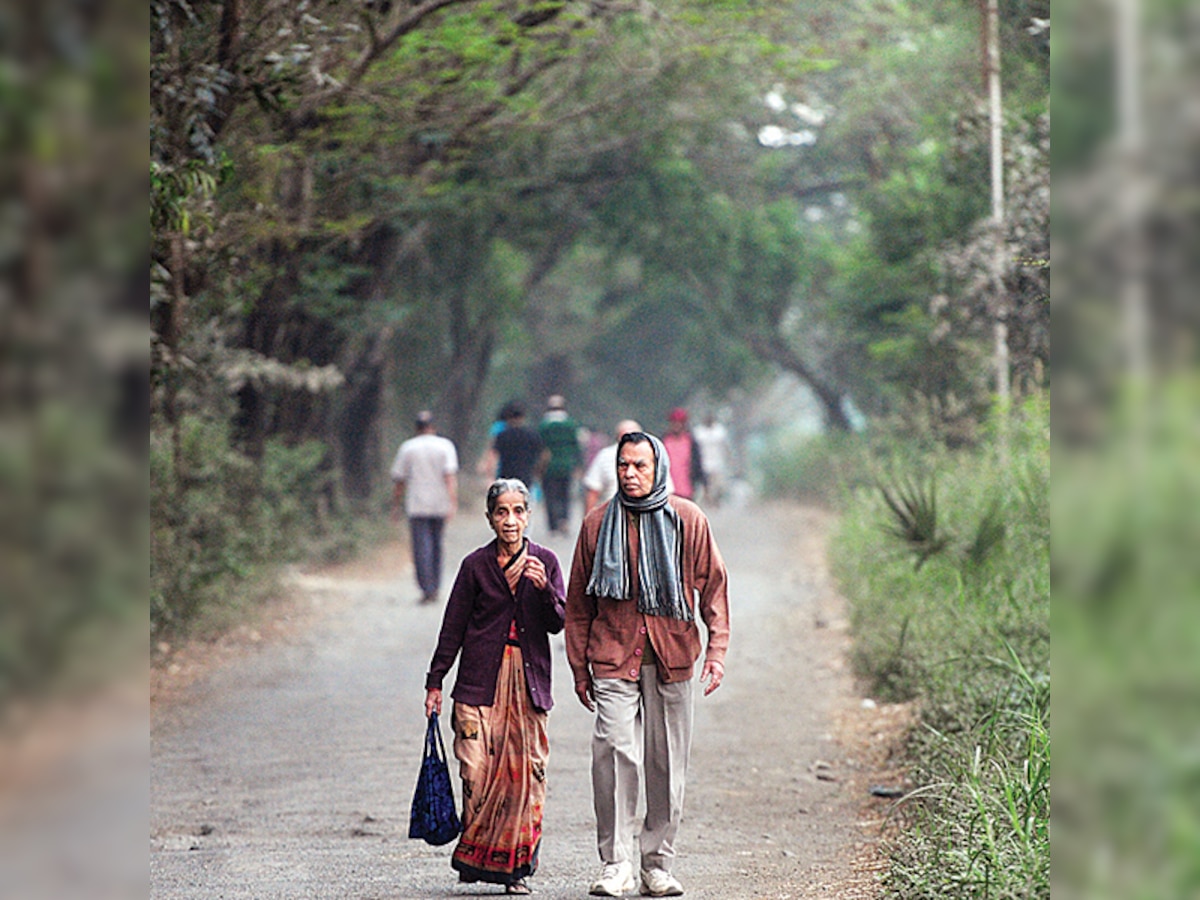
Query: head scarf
[(660, 554)]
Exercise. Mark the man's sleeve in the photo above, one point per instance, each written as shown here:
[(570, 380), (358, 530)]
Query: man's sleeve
[(712, 581), (591, 478), (581, 609), (399, 470), (454, 628)]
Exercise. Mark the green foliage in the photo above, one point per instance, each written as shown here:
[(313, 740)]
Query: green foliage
[(70, 536), (979, 826), (230, 521), (967, 635), (820, 468), (507, 199), (913, 504), (1127, 647)]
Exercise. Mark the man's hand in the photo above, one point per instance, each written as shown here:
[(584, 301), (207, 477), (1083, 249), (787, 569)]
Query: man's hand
[(713, 672), (586, 694), (433, 702)]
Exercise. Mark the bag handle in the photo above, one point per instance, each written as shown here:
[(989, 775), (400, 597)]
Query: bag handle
[(433, 739)]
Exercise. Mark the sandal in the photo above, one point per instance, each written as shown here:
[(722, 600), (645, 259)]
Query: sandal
[(518, 887)]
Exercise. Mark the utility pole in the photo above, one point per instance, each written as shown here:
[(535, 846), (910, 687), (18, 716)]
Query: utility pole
[(1132, 150), (1000, 353), (1133, 251)]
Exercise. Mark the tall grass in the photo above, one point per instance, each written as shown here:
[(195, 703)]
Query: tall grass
[(945, 563), (1127, 649)]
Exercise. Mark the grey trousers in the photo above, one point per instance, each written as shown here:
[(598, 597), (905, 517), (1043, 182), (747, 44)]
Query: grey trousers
[(640, 725)]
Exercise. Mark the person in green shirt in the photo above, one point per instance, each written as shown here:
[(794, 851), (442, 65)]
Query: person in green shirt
[(560, 434)]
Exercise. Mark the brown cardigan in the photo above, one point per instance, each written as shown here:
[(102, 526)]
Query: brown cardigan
[(606, 638)]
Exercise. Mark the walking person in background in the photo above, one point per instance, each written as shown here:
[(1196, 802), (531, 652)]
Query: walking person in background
[(687, 463), (519, 448), (506, 602), (646, 567), (600, 479), (560, 435), (488, 465), (425, 479), (713, 439)]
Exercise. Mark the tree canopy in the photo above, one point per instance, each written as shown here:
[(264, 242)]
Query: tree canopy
[(363, 209)]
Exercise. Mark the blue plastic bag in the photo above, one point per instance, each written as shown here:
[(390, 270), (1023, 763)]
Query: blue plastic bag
[(434, 818)]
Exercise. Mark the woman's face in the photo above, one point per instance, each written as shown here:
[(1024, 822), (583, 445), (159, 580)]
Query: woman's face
[(510, 517)]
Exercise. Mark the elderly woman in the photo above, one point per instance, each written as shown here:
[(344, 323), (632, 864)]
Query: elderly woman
[(507, 600)]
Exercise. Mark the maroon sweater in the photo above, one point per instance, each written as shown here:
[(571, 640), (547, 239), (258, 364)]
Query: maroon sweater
[(478, 615)]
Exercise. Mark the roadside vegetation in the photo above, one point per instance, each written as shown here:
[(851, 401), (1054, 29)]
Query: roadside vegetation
[(217, 545), (1127, 651), (943, 556)]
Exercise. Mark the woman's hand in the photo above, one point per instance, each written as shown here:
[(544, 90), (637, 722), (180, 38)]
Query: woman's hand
[(433, 702), (535, 571)]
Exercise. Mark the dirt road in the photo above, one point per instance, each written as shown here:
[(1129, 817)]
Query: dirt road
[(286, 771)]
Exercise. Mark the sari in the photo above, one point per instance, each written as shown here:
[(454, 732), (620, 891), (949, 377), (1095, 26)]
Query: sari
[(502, 750)]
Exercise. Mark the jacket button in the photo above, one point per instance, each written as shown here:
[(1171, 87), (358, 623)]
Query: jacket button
[(637, 652), (642, 629), (633, 673)]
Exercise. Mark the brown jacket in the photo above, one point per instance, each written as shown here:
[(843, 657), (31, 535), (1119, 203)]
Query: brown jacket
[(606, 638)]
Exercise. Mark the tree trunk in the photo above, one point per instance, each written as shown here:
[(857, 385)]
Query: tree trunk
[(777, 351), (472, 348), (357, 438)]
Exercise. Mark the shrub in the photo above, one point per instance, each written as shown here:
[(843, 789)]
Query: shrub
[(1127, 644), (816, 468), (225, 517), (72, 540), (945, 562)]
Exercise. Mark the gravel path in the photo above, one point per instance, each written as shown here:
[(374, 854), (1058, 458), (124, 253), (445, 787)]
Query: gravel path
[(286, 770)]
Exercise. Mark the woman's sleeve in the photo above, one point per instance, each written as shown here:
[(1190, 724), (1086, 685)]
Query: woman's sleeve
[(554, 597), (454, 627)]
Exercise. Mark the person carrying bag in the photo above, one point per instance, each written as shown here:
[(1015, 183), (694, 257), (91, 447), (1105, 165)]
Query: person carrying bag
[(434, 818), (507, 600)]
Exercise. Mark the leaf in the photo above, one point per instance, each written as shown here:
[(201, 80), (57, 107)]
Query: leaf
[(913, 505)]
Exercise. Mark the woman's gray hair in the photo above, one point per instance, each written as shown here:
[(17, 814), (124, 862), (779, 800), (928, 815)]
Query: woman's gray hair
[(503, 486)]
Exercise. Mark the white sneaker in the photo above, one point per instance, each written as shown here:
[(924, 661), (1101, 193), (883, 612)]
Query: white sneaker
[(660, 883), (615, 881)]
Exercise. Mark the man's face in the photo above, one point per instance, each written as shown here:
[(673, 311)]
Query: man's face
[(635, 469)]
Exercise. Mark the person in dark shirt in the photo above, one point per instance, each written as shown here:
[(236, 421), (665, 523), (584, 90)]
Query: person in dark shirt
[(519, 448)]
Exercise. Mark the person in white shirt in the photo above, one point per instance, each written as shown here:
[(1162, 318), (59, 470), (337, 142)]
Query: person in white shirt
[(713, 439), (425, 475), (600, 479)]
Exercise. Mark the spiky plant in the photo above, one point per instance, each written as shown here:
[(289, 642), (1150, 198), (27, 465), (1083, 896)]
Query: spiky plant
[(989, 535), (913, 504)]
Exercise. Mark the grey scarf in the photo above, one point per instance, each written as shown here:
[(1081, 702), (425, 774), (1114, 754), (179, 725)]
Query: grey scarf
[(660, 582)]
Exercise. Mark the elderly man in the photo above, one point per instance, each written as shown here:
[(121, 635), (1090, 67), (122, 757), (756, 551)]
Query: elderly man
[(645, 569)]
